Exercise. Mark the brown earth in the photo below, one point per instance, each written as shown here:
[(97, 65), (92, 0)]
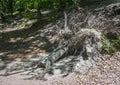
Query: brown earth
[(105, 73)]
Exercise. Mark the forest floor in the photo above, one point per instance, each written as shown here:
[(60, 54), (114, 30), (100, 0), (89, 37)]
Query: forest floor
[(107, 73), (21, 41)]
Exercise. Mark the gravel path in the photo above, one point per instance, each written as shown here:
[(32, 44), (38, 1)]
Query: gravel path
[(106, 73)]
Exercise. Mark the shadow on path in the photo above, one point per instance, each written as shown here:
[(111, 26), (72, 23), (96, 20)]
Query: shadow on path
[(27, 37)]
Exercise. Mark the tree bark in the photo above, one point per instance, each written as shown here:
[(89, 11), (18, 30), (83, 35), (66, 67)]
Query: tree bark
[(1, 17), (53, 57)]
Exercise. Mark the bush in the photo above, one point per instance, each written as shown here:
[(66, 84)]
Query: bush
[(111, 45)]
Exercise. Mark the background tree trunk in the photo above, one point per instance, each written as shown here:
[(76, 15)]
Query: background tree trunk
[(1, 17)]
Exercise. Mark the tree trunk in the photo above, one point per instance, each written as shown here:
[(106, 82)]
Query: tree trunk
[(53, 57), (39, 11), (1, 17)]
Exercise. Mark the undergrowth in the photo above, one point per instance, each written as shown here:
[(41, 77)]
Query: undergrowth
[(111, 45)]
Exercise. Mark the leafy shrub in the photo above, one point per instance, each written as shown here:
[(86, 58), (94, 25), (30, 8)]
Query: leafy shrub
[(111, 45)]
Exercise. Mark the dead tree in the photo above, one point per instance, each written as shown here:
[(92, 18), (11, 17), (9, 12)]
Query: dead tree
[(86, 41)]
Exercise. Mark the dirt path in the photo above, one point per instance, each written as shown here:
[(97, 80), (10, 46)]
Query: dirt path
[(106, 73)]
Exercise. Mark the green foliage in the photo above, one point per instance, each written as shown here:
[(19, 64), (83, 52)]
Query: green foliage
[(116, 42), (108, 46), (14, 5), (7, 5), (111, 45), (11, 6)]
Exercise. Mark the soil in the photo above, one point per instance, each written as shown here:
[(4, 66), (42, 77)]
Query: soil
[(106, 73)]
